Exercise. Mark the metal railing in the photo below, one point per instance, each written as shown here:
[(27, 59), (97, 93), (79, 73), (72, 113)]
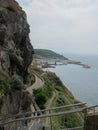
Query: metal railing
[(33, 123), (92, 110), (37, 121), (39, 112)]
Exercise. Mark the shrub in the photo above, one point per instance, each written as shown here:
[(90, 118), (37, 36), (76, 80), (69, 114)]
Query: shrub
[(40, 98)]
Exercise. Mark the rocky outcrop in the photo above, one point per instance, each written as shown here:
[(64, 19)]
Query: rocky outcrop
[(15, 57), (15, 47)]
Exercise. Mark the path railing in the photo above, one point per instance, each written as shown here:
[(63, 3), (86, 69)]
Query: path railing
[(39, 112), (37, 121)]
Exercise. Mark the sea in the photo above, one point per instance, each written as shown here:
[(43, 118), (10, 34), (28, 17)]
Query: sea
[(82, 82)]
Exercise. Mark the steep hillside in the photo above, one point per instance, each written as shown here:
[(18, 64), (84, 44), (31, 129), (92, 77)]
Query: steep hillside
[(55, 94), (44, 53)]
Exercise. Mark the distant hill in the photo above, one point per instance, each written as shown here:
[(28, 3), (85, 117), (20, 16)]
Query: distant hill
[(44, 53)]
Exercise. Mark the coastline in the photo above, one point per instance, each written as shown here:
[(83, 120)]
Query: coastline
[(51, 63), (78, 63), (57, 94), (82, 82)]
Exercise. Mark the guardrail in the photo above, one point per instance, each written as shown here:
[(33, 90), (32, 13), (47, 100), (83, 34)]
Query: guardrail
[(24, 123), (91, 110), (61, 107), (37, 112), (35, 122)]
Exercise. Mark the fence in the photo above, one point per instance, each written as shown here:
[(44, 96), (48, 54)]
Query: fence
[(38, 122)]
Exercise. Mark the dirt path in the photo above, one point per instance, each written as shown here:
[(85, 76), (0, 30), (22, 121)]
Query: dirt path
[(48, 105)]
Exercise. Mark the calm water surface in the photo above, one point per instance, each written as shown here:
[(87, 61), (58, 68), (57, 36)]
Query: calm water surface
[(83, 83)]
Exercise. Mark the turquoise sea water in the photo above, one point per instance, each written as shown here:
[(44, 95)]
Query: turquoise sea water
[(83, 83)]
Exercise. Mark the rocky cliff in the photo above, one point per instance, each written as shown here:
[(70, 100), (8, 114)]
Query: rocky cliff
[(15, 55)]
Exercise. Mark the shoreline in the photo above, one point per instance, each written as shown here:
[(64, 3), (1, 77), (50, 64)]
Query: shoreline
[(52, 63), (57, 94), (79, 63)]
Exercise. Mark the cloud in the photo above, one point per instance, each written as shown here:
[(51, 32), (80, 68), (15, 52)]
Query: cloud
[(69, 23)]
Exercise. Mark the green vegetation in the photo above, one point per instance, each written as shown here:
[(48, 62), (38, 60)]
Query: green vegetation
[(42, 95), (44, 53), (62, 96), (5, 86), (31, 79), (40, 98)]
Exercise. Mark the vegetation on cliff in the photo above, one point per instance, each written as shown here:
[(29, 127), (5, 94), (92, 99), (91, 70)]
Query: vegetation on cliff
[(44, 53), (55, 92)]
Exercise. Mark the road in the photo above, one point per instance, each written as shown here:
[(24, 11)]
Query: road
[(38, 84)]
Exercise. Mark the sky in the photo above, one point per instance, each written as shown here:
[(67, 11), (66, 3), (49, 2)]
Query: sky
[(65, 26)]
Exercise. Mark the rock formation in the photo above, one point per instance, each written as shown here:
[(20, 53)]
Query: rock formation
[(15, 51), (15, 47)]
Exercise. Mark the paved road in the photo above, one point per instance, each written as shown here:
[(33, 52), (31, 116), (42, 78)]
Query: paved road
[(38, 84)]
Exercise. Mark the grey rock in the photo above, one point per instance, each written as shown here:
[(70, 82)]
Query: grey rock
[(15, 56), (16, 49)]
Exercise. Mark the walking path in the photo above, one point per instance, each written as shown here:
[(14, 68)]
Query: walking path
[(38, 84)]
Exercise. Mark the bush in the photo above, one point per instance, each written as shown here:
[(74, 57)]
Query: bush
[(40, 98), (51, 78)]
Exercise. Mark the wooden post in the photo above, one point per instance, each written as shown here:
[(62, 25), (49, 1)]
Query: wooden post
[(50, 120)]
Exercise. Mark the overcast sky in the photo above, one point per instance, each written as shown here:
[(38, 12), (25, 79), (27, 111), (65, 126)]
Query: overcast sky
[(63, 25)]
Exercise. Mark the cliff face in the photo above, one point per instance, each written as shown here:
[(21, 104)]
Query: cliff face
[(15, 54), (15, 47)]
